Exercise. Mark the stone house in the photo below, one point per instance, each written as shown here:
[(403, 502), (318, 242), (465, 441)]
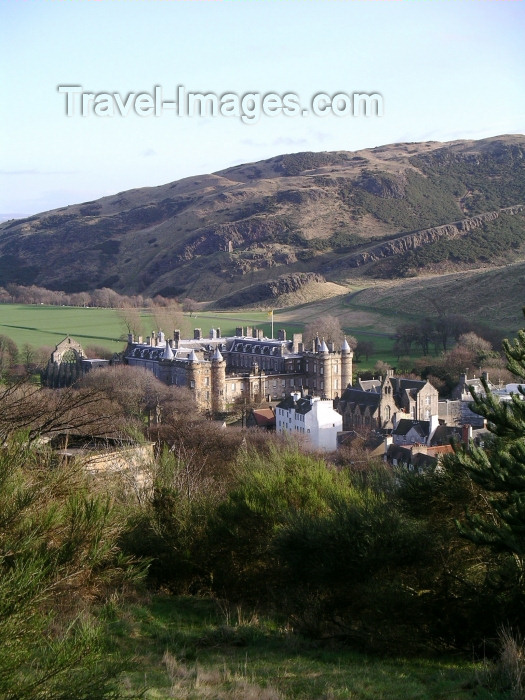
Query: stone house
[(381, 404)]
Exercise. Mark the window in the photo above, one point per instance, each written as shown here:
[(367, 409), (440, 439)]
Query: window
[(192, 384), (206, 381), (428, 400)]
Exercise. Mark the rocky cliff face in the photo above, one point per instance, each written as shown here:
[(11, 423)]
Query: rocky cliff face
[(430, 235), (268, 291)]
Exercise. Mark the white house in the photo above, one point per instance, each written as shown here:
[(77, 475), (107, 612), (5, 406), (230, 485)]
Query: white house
[(310, 417)]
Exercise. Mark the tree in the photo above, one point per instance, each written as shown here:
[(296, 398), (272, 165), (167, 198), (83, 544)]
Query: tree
[(448, 327), (382, 368), (190, 306), (329, 328), (134, 393), (168, 316), (132, 319), (405, 337), (98, 352), (479, 347), (363, 347), (35, 411), (498, 468), (425, 334), (8, 354)]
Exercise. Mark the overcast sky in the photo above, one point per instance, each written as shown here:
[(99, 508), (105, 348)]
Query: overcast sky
[(445, 70)]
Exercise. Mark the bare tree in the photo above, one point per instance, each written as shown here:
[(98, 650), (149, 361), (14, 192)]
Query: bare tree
[(132, 319), (25, 407), (167, 314), (190, 306), (329, 328), (381, 367), (138, 393), (480, 347), (8, 354)]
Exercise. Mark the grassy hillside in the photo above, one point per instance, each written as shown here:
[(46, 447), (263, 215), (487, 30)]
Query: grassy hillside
[(210, 236), (493, 297)]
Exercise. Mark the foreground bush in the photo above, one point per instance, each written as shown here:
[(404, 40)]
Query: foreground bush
[(59, 561)]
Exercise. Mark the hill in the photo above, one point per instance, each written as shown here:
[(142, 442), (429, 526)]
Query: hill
[(396, 211)]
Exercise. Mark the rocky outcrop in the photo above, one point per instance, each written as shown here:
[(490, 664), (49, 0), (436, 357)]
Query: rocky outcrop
[(266, 291), (415, 240)]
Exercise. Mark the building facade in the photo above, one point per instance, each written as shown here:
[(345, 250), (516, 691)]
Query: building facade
[(380, 404), (219, 371), (247, 366), (311, 418)]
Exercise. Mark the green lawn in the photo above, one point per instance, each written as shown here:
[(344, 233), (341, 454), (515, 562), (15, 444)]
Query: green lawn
[(48, 325), (192, 649)]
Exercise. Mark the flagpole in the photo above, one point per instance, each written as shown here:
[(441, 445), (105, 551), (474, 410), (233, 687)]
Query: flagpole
[(272, 326)]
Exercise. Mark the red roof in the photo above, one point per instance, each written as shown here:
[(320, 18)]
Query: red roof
[(264, 417)]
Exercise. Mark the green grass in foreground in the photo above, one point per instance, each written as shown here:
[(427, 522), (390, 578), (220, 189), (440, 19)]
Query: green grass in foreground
[(191, 649)]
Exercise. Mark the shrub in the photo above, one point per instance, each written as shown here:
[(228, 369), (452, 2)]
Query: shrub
[(58, 558)]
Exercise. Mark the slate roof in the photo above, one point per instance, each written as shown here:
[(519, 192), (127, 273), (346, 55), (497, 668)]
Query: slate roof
[(362, 398), (168, 352), (422, 427), (373, 385), (444, 434), (345, 347), (303, 405), (418, 460)]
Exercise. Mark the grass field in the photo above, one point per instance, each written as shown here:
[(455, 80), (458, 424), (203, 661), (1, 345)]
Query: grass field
[(48, 325), (193, 649)]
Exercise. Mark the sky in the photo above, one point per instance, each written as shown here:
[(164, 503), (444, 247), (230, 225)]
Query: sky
[(444, 70)]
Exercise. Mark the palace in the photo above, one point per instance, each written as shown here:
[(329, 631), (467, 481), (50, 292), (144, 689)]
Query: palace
[(220, 370)]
